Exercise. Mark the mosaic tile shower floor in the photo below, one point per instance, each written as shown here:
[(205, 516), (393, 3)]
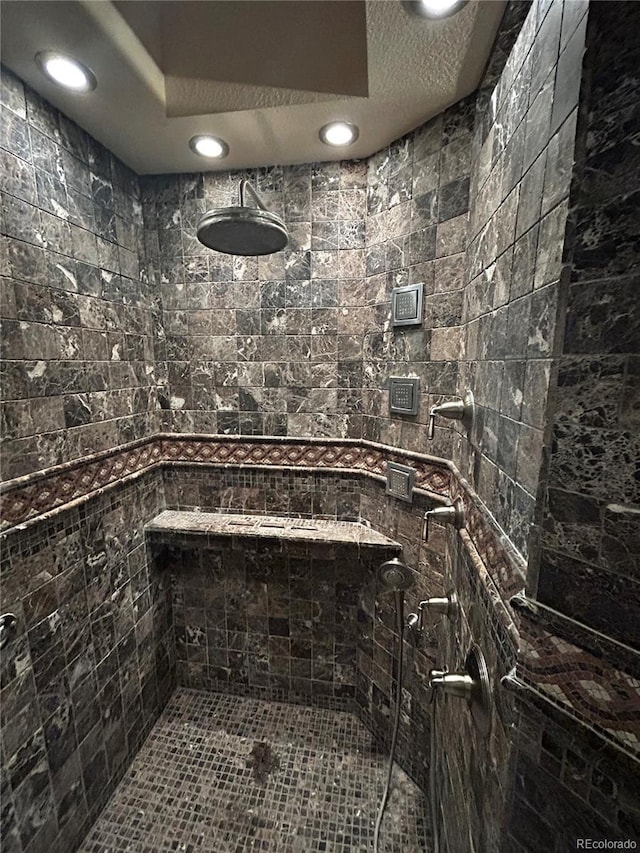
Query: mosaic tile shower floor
[(225, 774)]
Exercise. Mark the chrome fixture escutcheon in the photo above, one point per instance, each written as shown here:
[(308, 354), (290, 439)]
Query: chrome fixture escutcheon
[(472, 684)]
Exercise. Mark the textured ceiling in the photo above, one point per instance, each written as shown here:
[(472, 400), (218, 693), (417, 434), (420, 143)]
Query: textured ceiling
[(270, 46), (264, 75)]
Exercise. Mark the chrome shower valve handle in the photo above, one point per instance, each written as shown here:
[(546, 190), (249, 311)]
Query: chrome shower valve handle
[(444, 606), (453, 683), (432, 425), (453, 514), (471, 683)]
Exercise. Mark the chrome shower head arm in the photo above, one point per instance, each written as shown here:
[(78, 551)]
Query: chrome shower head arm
[(245, 187)]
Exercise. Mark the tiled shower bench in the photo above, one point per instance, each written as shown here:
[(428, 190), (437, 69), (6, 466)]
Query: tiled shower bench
[(170, 523), (273, 607)]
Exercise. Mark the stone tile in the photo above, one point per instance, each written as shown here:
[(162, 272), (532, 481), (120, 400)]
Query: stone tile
[(565, 98), (524, 263), (530, 199), (589, 595), (591, 390), (542, 322), (594, 461), (453, 199), (451, 237), (262, 772), (601, 317)]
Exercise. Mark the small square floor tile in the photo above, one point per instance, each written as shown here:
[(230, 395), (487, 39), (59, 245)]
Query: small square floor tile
[(226, 774)]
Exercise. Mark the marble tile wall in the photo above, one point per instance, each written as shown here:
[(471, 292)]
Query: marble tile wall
[(76, 309), (416, 232), (271, 619), (275, 492), (523, 151), (508, 290), (566, 787), (269, 345), (584, 569), (300, 343), (89, 666), (474, 769), (592, 503)]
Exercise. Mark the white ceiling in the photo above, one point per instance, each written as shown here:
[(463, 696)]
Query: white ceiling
[(264, 75)]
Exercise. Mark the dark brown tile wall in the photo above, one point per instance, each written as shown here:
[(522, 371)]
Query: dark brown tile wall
[(592, 502), (417, 205), (89, 667), (474, 204), (76, 308), (275, 492), (521, 279), (266, 345), (521, 171), (271, 619), (474, 776), (299, 343), (568, 784), (566, 787)]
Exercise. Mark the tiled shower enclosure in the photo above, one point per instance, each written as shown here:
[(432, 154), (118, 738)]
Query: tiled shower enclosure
[(194, 454)]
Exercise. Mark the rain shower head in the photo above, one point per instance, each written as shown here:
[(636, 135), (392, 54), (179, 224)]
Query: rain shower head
[(394, 576), (243, 230)]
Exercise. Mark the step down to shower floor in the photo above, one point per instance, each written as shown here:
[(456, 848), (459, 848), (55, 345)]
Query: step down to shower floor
[(171, 522), (221, 774)]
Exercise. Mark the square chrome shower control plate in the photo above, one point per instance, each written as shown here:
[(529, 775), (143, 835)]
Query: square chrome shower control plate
[(406, 305), (403, 395), (400, 480)]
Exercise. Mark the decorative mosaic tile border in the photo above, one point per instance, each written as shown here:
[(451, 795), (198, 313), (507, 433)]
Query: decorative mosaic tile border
[(505, 565), (29, 497), (432, 474), (590, 688), (565, 673)]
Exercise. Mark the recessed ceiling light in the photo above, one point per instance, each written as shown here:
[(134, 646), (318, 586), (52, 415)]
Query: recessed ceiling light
[(209, 146), (338, 133), (66, 71), (433, 9)]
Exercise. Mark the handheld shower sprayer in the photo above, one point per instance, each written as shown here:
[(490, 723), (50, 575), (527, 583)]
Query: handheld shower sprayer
[(395, 576)]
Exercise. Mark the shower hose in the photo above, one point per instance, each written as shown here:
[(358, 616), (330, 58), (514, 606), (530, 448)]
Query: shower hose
[(433, 796), (399, 597), (433, 800)]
